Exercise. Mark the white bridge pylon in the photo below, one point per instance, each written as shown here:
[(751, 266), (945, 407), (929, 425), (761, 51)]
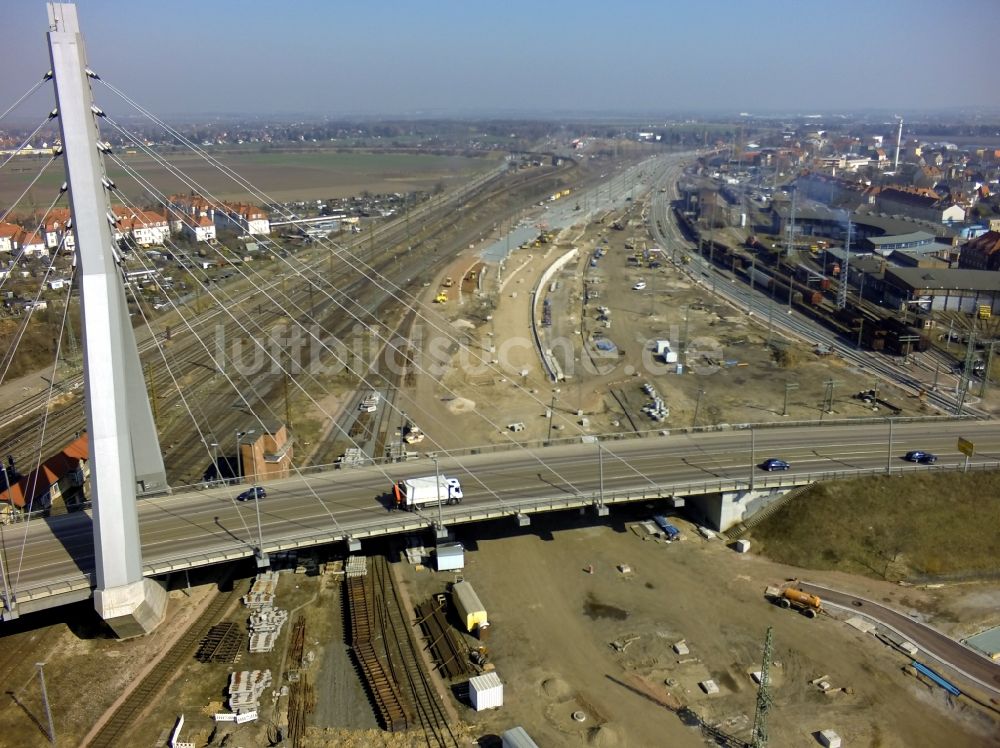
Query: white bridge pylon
[(125, 455)]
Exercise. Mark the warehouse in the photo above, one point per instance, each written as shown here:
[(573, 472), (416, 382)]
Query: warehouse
[(942, 289)]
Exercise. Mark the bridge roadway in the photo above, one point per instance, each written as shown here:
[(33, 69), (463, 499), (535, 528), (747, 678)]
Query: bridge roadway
[(193, 528)]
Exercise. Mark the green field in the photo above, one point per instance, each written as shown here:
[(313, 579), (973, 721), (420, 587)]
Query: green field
[(915, 527), (317, 173)]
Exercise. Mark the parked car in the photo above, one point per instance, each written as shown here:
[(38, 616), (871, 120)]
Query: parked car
[(639, 286), (925, 458), (251, 494), (774, 464)]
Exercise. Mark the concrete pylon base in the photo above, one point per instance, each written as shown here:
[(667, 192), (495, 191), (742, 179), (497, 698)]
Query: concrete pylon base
[(132, 609)]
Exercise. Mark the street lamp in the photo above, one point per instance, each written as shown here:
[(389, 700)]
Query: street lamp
[(261, 558), (437, 478), (888, 459)]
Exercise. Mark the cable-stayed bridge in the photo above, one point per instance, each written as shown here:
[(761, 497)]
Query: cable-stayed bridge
[(139, 529)]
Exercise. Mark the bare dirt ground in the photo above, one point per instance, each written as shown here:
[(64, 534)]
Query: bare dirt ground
[(735, 367), (552, 628), (553, 624)]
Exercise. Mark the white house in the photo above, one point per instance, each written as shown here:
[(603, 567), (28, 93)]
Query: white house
[(246, 219), (34, 245), (200, 228), (147, 228), (9, 237)]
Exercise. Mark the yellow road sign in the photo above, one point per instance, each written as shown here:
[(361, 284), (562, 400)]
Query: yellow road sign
[(966, 447)]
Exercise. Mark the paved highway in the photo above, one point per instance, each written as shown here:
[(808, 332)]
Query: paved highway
[(966, 661), (195, 528)]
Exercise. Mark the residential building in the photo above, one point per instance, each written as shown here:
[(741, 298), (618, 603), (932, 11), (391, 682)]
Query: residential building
[(199, 228), (9, 237), (981, 253), (246, 219), (64, 476), (33, 245)]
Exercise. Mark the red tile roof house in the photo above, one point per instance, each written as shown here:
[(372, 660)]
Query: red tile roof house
[(9, 234), (64, 476)]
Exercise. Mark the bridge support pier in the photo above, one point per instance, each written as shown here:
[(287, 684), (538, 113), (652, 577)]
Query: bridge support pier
[(133, 609)]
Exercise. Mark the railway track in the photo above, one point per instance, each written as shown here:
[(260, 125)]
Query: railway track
[(114, 731), (383, 690), (452, 658), (404, 651), (191, 362)]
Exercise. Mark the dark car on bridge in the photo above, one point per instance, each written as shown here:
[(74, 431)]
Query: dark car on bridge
[(774, 464), (924, 458), (257, 492)]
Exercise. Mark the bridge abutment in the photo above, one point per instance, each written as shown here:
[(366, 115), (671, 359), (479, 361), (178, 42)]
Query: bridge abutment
[(721, 511)]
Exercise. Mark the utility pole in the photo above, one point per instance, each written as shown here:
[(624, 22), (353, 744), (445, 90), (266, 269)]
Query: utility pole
[(986, 371), (45, 701), (758, 738), (908, 340), (789, 386), (753, 451), (437, 477), (697, 407), (152, 394), (888, 458), (842, 288), (963, 384), (552, 415), (828, 397)]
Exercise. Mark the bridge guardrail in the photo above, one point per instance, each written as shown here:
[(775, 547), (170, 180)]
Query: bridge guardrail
[(398, 522)]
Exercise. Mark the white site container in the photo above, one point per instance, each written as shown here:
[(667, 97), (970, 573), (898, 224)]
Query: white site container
[(517, 737), (486, 691), (450, 556)]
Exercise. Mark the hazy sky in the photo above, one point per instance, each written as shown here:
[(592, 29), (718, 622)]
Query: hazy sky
[(447, 56)]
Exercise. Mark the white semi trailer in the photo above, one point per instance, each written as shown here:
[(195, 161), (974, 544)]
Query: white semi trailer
[(414, 492)]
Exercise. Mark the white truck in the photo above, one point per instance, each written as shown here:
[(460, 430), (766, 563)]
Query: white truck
[(414, 492)]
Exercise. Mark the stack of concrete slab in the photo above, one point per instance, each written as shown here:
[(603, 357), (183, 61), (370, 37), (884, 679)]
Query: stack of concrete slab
[(245, 689), (357, 566), (262, 591), (265, 625)]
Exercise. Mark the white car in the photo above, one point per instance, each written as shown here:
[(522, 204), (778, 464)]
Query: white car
[(639, 286)]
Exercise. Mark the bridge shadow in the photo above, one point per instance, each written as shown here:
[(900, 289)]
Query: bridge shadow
[(75, 532)]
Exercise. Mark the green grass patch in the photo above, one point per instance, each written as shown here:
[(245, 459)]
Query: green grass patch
[(926, 525)]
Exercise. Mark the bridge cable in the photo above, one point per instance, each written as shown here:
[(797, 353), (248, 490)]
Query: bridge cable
[(37, 471), (361, 378), (388, 343), (53, 114), (45, 79)]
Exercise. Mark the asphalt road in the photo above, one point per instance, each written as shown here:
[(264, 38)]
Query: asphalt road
[(335, 503), (945, 649)]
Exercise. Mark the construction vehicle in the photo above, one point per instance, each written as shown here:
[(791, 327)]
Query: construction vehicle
[(479, 657), (789, 597), (448, 282), (441, 298)]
